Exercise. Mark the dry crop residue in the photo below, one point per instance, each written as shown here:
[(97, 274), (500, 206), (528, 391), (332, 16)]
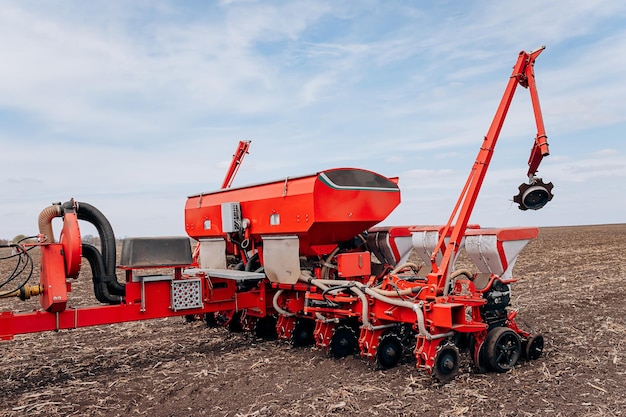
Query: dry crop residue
[(572, 288)]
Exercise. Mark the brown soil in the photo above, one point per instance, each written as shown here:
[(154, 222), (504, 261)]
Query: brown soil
[(572, 289)]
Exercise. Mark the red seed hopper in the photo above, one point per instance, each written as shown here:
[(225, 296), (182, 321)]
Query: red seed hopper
[(322, 210)]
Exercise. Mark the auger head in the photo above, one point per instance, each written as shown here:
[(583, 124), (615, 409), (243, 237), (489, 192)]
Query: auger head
[(534, 195)]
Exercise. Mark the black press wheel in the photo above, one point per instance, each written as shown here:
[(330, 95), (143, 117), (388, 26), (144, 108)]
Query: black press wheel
[(303, 333), (210, 320), (478, 351), (503, 348), (265, 328), (389, 351), (230, 319), (533, 347), (446, 365), (234, 325), (343, 342)]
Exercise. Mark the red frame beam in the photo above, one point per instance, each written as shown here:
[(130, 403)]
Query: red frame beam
[(157, 305)]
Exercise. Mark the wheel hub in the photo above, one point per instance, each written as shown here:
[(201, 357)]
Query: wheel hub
[(389, 351), (446, 364)]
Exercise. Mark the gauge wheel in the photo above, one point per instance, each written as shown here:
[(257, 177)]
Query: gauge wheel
[(210, 320), (479, 355), (303, 333), (230, 319), (343, 342), (265, 328), (503, 349), (533, 347), (389, 351), (446, 365)]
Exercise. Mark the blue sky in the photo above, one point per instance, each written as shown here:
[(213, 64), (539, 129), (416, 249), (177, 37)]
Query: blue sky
[(133, 106)]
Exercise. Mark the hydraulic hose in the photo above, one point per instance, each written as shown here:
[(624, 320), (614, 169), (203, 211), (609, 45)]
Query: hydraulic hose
[(404, 265), (278, 308), (106, 287), (326, 265), (386, 293), (399, 293), (453, 275), (100, 279), (323, 319), (305, 276), (250, 264), (460, 272), (364, 306), (89, 213), (416, 307)]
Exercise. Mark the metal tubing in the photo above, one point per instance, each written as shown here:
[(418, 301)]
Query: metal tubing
[(278, 308)]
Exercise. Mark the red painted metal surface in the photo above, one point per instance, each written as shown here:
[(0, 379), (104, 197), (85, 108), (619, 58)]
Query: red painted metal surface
[(322, 209), (72, 245), (354, 264), (240, 153), (523, 74), (219, 294), (54, 297)]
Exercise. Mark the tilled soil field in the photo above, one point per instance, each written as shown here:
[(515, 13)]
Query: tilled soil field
[(572, 289)]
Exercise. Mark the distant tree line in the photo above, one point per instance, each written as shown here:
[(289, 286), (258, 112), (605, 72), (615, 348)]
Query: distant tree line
[(18, 238), (89, 239)]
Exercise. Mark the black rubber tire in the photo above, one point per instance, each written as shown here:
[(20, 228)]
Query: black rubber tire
[(504, 349), (389, 351), (265, 328), (533, 347), (479, 355), (343, 342), (446, 366), (302, 334)]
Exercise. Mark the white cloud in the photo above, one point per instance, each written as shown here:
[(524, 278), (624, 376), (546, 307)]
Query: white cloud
[(144, 101)]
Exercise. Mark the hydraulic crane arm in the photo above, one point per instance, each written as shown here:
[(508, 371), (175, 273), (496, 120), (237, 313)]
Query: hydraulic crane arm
[(540, 147), (534, 195), (242, 150)]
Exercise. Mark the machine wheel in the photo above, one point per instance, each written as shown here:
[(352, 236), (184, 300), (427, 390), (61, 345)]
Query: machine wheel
[(533, 347), (343, 342), (503, 348), (265, 328), (389, 351), (446, 364), (234, 325), (230, 319), (302, 334), (479, 355), (210, 320)]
